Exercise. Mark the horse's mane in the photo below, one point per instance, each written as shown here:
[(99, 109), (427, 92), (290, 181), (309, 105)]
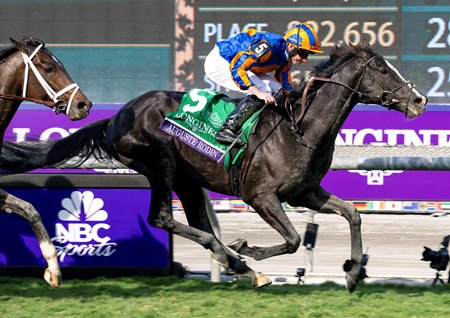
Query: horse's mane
[(7, 51), (339, 55)]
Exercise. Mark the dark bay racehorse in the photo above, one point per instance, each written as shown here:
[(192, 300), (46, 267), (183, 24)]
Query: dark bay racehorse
[(286, 159), (30, 72)]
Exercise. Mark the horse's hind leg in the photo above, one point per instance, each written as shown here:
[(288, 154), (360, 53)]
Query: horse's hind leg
[(321, 200), (11, 204), (195, 208)]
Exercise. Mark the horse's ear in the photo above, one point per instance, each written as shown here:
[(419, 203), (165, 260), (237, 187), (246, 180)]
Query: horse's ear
[(352, 47), (13, 41), (23, 47)]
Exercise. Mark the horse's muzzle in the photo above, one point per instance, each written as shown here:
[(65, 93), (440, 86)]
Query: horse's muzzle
[(417, 107)]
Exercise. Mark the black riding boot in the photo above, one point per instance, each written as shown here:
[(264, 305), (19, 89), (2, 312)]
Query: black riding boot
[(227, 134)]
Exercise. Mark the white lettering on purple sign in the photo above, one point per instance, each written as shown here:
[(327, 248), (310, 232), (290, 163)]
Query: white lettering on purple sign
[(81, 230), (392, 137)]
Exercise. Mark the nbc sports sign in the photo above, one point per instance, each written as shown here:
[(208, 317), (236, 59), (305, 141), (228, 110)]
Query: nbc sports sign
[(89, 227)]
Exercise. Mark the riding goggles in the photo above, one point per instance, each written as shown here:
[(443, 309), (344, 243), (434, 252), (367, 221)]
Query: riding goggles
[(301, 52)]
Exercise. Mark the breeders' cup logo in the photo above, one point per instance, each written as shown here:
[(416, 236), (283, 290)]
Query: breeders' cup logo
[(82, 230), (375, 177), (214, 119)]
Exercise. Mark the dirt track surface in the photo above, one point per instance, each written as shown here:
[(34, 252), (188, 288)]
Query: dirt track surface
[(395, 244)]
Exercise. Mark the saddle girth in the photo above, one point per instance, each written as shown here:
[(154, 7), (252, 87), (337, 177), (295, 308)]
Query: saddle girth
[(234, 172)]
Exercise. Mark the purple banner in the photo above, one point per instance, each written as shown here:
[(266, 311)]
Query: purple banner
[(374, 125), (388, 185), (89, 227), (31, 123)]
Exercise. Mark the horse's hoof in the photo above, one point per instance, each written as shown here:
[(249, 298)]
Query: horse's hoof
[(238, 244), (220, 259), (354, 275), (52, 279), (261, 281), (350, 283)]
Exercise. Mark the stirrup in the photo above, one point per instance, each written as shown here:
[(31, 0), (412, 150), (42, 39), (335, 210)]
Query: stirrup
[(239, 143), (227, 137)]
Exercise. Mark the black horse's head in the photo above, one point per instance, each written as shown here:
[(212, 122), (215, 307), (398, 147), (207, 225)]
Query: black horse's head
[(382, 84), (377, 82)]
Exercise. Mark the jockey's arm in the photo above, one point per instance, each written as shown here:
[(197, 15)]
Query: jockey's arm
[(239, 66), (268, 98), (283, 75)]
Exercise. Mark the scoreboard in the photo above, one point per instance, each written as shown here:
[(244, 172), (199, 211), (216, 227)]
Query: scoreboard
[(413, 35), (425, 50)]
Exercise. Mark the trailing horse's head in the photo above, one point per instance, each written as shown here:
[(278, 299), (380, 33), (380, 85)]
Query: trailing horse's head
[(45, 79), (381, 83)]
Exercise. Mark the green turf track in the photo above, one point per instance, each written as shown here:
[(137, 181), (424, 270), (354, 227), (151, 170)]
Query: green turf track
[(173, 297)]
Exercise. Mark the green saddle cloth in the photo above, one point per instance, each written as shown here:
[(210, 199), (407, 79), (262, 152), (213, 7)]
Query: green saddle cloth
[(201, 114)]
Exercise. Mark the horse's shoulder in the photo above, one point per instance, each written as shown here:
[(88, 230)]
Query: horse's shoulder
[(176, 95), (273, 112)]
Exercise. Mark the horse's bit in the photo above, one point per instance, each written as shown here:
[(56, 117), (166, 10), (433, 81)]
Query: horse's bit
[(57, 105)]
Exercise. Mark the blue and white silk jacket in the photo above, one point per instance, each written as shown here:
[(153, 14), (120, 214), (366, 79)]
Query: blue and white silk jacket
[(258, 52)]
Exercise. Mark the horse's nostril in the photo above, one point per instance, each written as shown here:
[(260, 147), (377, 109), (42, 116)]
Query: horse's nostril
[(420, 100)]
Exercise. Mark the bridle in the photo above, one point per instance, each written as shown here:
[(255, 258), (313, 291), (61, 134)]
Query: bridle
[(386, 97), (58, 105)]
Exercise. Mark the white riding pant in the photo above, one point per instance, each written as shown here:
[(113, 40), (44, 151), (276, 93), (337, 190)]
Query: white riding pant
[(218, 70)]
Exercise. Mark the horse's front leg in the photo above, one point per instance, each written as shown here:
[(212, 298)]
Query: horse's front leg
[(269, 208), (321, 200), (11, 204)]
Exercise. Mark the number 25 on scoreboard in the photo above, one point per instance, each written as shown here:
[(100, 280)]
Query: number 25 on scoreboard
[(442, 77)]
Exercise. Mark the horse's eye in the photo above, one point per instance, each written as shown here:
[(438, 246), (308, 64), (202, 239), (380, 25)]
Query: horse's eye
[(50, 68), (380, 66)]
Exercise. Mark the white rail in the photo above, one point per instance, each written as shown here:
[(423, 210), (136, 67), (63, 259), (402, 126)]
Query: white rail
[(391, 158)]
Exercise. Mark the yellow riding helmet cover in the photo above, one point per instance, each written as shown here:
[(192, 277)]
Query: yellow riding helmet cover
[(303, 36)]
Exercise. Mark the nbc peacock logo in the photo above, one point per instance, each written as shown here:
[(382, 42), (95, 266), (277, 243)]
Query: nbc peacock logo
[(82, 230)]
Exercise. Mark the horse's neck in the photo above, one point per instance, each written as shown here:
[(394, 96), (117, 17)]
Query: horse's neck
[(12, 75), (7, 111), (328, 112), (11, 80)]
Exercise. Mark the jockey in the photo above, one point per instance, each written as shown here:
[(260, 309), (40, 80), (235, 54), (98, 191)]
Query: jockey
[(242, 64)]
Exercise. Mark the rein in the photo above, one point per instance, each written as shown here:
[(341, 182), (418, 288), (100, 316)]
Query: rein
[(28, 99), (57, 105)]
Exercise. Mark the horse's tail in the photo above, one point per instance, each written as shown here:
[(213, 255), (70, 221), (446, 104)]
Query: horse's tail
[(87, 142)]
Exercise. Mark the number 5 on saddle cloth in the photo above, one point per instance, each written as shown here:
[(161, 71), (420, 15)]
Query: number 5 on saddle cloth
[(201, 114)]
